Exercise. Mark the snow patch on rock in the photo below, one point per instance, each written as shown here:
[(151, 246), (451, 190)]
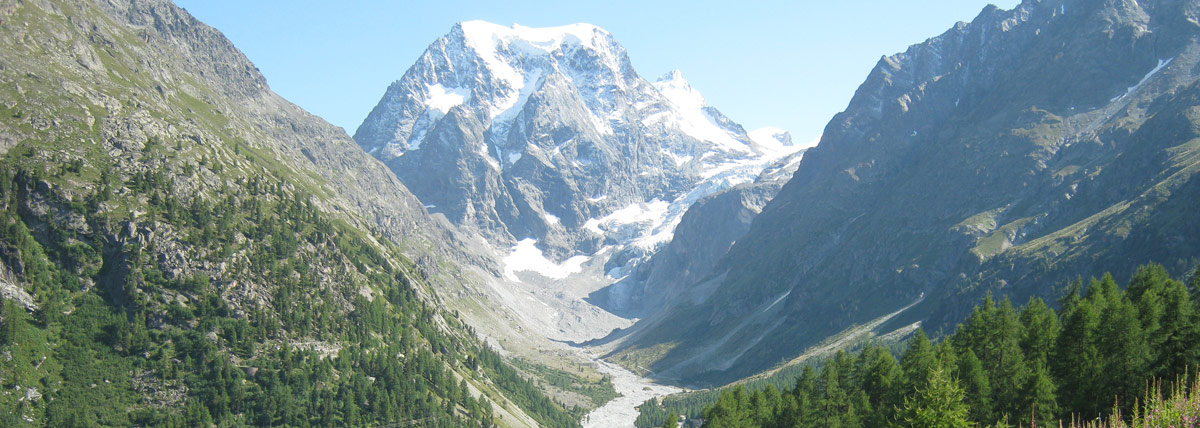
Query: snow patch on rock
[(1161, 63), (526, 257), (442, 99)]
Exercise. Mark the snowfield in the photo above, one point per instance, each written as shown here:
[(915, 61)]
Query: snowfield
[(527, 257)]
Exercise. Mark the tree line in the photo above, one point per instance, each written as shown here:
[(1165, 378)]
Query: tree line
[(1003, 366)]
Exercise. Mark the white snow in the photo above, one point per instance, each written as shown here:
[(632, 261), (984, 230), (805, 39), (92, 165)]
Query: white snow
[(487, 156), (484, 35), (443, 99), (1161, 64), (637, 214), (647, 225), (484, 38), (776, 302), (438, 101), (621, 412), (513, 157), (551, 219), (678, 159), (505, 110), (770, 137), (526, 257), (495, 44), (689, 116)]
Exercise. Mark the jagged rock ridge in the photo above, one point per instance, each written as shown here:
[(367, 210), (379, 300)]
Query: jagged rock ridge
[(1021, 149)]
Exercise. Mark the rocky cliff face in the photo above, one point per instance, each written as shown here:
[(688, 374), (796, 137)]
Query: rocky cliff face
[(1007, 154), (704, 234), (187, 53)]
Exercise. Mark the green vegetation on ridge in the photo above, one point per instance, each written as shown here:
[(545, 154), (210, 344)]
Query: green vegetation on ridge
[(165, 261)]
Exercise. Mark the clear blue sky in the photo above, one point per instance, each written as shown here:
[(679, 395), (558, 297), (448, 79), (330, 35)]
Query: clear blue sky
[(779, 63)]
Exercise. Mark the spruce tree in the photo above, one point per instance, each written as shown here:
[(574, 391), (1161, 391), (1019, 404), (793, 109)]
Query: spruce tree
[(917, 361), (672, 420), (1077, 363), (1124, 352), (1194, 285), (1043, 401), (1168, 319), (977, 387), (1041, 328), (730, 411), (834, 399), (939, 404), (804, 394), (880, 376), (1006, 362)]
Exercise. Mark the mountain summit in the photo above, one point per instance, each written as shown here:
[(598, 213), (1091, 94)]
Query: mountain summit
[(549, 134)]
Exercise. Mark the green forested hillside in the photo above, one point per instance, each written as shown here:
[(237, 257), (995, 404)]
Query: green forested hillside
[(1003, 365), (176, 248)]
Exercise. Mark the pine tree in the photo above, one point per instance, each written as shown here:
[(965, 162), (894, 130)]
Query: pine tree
[(804, 396), (730, 411), (880, 376), (834, 399), (976, 386), (1145, 289), (764, 404), (947, 358), (672, 420), (1194, 285), (1043, 402), (1073, 295), (938, 405), (1041, 328), (917, 361), (1005, 361), (1077, 363), (1123, 349), (1168, 320)]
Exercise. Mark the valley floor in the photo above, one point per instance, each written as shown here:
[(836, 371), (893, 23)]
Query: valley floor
[(622, 411)]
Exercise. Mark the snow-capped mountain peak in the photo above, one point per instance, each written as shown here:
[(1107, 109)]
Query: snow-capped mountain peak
[(484, 36), (772, 138), (550, 134), (513, 54), (678, 91), (692, 115)]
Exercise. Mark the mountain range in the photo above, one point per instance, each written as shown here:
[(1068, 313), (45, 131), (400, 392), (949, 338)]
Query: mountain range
[(570, 167), (183, 246)]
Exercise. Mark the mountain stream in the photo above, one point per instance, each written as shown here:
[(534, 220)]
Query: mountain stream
[(622, 411)]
